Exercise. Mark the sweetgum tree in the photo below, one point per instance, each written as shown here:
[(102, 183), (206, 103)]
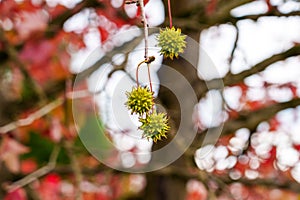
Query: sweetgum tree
[(243, 124)]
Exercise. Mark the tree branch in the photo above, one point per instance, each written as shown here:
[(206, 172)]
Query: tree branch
[(202, 176), (250, 119), (201, 87), (272, 13), (38, 173), (197, 21), (286, 185), (32, 117), (125, 48), (223, 14), (58, 22), (246, 119), (231, 79)]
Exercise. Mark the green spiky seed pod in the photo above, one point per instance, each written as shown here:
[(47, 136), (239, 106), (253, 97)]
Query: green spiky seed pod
[(155, 126), (171, 41), (140, 100)]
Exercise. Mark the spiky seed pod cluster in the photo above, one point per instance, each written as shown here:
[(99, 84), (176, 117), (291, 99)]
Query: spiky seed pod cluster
[(171, 41), (140, 100), (155, 126)]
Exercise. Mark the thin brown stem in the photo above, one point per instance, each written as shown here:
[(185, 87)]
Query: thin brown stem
[(137, 73), (149, 76), (170, 13), (147, 61), (145, 27)]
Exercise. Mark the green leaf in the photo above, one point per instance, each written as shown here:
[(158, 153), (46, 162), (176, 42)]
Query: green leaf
[(41, 149), (92, 135)]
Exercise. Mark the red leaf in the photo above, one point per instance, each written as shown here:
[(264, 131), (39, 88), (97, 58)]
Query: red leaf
[(49, 188), (37, 52), (18, 194), (52, 179), (274, 124), (28, 166), (42, 61), (104, 34), (7, 8)]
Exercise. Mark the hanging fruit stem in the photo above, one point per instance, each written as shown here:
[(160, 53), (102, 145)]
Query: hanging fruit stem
[(170, 14), (149, 77), (147, 61)]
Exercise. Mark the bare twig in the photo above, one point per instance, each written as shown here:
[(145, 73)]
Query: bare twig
[(201, 86), (230, 78), (246, 119), (42, 111), (32, 117), (126, 47), (38, 173), (273, 13), (145, 28)]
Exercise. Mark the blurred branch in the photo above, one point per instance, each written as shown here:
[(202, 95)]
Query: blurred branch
[(32, 117), (198, 21), (269, 183), (202, 176), (224, 180), (246, 119), (231, 79), (125, 48), (38, 173), (272, 13), (58, 22), (223, 14), (201, 87)]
